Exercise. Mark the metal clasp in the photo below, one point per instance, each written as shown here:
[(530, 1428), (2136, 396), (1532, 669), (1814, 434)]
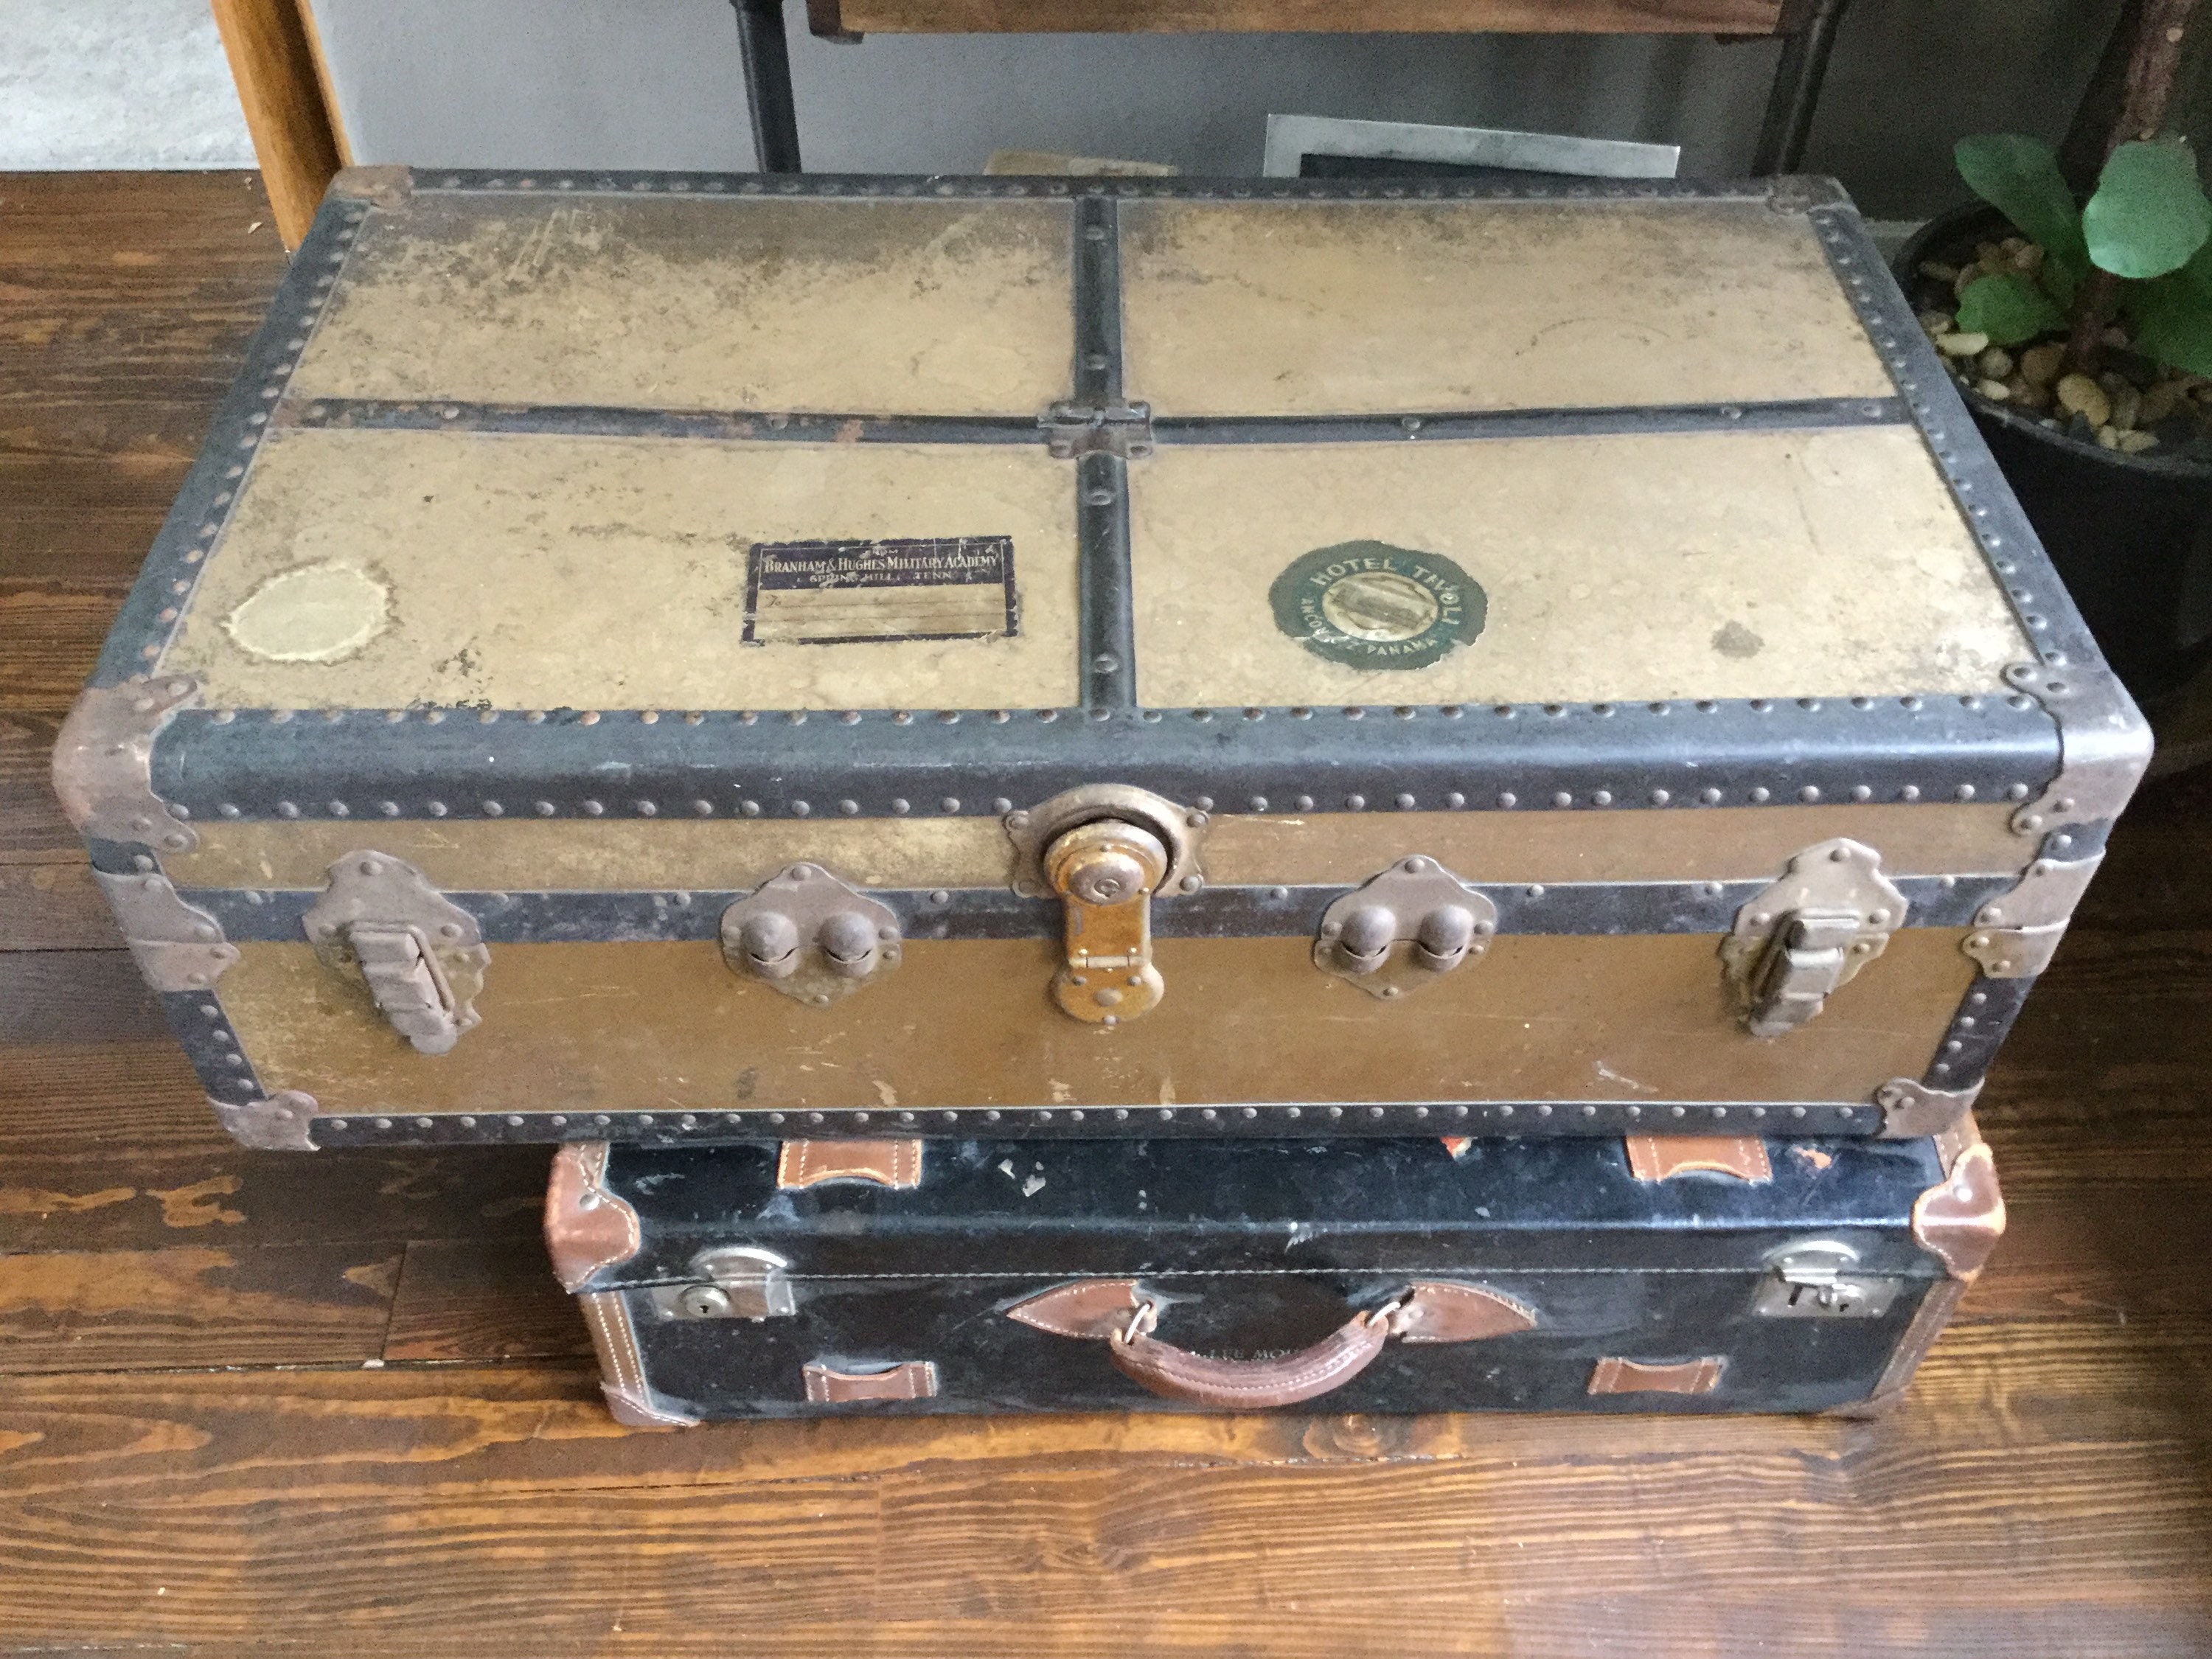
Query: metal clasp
[(1813, 1279), (742, 1282), (422, 956), (1831, 914)]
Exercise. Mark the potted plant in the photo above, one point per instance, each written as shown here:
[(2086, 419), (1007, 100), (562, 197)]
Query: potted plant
[(2081, 332)]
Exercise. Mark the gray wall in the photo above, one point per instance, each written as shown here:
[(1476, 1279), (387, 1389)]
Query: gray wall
[(655, 83)]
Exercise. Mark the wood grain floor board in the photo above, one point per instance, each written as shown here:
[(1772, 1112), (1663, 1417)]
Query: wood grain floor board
[(256, 1403)]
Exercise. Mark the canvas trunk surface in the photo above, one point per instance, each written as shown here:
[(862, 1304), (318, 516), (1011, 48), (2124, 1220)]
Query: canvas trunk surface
[(676, 658)]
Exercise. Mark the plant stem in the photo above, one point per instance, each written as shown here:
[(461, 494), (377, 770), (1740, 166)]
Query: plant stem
[(2152, 67)]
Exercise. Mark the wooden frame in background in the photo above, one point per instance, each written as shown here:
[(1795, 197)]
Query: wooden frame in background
[(276, 59)]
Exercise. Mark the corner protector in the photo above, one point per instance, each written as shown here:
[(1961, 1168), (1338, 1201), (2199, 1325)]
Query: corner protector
[(387, 186), (2017, 932), (1959, 1219), (1801, 192), (2103, 745), (587, 1227), (633, 1410), (1910, 1109), (178, 946), (275, 1123), (103, 764)]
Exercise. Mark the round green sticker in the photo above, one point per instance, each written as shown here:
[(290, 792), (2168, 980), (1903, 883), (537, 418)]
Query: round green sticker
[(1369, 605)]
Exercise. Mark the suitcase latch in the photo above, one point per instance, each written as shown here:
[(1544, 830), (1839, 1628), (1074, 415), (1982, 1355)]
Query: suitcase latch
[(1813, 1279), (809, 935), (1105, 873), (742, 1281), (1830, 915), (1404, 929), (422, 956)]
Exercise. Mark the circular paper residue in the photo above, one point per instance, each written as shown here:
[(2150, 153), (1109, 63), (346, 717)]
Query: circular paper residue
[(310, 613)]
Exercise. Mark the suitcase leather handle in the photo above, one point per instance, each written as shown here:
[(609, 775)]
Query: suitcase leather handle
[(1123, 1314)]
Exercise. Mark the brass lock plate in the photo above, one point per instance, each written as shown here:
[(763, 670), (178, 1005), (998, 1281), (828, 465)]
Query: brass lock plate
[(1105, 873), (382, 924), (1401, 931), (1107, 850), (808, 935)]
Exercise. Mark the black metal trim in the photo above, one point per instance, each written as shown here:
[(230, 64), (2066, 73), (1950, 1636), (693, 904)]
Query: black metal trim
[(677, 1128), (602, 421), (1977, 1031), (204, 1032), (150, 617), (1107, 628), (1581, 908), (2022, 570), (1809, 414), (438, 763), (1097, 264), (1796, 192)]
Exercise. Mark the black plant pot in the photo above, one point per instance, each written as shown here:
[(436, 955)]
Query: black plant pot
[(2131, 535)]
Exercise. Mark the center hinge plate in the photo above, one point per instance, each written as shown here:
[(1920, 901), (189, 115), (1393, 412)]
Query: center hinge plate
[(381, 923), (1814, 1279), (1830, 915), (1072, 430)]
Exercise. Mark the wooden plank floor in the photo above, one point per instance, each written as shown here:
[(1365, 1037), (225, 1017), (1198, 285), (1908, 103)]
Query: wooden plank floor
[(268, 1403)]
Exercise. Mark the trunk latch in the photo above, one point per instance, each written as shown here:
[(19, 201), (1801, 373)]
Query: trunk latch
[(742, 1281), (809, 935), (422, 958), (1830, 915), (1105, 873)]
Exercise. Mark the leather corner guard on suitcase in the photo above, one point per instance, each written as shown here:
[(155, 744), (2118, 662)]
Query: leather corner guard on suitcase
[(1388, 1276), (841, 657)]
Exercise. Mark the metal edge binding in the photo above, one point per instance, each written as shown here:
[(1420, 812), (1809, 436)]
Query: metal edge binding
[(1790, 193), (2103, 741), (588, 1228), (1910, 1109), (269, 1123), (103, 763), (178, 946), (1783, 1119), (1906, 750), (161, 596)]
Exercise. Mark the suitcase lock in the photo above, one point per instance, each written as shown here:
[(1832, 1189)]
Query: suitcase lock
[(742, 1282), (1814, 1279), (1830, 915)]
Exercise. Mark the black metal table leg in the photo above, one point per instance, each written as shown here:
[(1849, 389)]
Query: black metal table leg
[(768, 84), (1796, 91)]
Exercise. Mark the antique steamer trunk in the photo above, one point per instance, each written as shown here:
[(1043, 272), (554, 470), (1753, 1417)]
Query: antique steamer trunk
[(1666, 1273), (690, 658)]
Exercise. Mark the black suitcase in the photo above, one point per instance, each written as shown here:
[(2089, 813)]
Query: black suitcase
[(1393, 1276)]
